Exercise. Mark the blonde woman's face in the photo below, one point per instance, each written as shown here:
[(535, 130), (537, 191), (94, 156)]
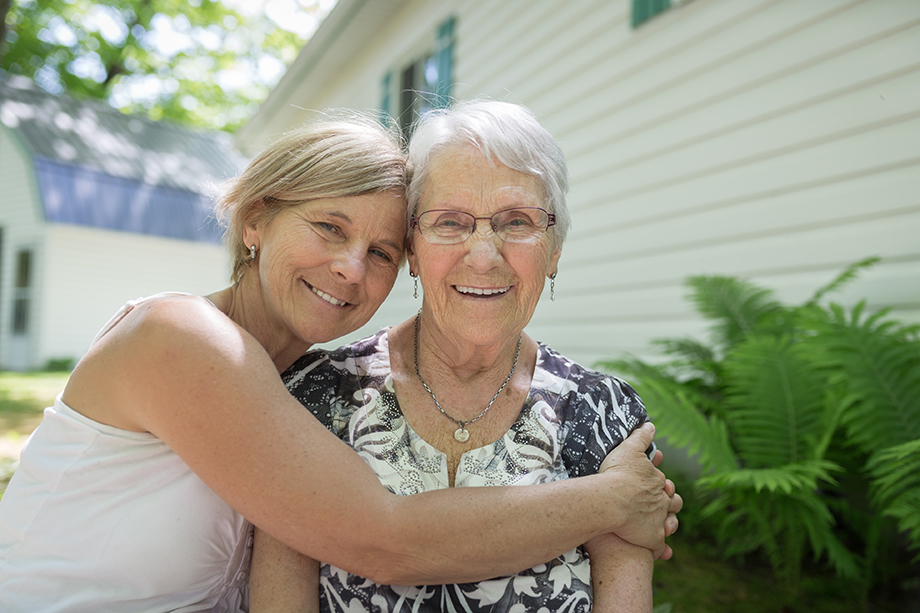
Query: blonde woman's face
[(326, 266)]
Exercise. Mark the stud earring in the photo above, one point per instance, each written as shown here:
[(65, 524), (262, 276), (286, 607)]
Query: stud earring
[(252, 252), (415, 290), (552, 287)]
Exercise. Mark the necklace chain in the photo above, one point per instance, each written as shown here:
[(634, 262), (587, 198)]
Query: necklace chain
[(462, 435)]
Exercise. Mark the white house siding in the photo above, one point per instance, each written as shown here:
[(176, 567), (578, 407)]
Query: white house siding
[(90, 273), (21, 224), (777, 140)]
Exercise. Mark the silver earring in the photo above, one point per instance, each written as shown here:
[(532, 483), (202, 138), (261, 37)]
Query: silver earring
[(552, 287), (252, 252), (415, 291)]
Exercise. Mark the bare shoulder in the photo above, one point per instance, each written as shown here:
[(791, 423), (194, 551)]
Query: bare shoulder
[(162, 346)]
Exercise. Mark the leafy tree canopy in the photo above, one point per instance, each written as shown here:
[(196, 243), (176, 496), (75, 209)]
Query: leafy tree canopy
[(201, 62)]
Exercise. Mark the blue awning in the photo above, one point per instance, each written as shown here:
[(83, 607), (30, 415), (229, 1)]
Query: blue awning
[(73, 194)]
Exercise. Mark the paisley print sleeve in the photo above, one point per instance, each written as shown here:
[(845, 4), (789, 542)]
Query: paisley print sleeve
[(329, 383), (600, 411)]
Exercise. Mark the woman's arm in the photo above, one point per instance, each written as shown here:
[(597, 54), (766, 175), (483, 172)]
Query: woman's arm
[(621, 575), (181, 370), (281, 579)]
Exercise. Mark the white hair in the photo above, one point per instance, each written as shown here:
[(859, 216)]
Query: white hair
[(504, 131)]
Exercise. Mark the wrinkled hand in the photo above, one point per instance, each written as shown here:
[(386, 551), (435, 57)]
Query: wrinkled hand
[(651, 500)]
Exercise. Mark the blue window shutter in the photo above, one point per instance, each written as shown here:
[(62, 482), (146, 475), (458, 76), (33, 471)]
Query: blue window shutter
[(445, 58), (643, 10), (386, 102)]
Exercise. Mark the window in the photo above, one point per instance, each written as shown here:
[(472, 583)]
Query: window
[(423, 83), (643, 10), (22, 291)]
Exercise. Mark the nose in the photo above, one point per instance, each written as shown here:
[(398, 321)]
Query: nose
[(349, 264), (484, 247)]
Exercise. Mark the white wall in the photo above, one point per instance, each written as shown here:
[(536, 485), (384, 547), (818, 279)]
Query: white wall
[(90, 273), (21, 224), (777, 140)]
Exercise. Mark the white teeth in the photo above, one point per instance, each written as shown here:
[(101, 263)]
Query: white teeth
[(482, 292), (330, 299)]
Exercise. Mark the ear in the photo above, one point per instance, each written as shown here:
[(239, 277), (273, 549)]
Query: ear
[(252, 231), (553, 267), (410, 255)]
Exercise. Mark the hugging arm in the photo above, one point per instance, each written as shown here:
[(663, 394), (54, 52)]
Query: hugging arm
[(621, 575), (281, 579), (185, 373)]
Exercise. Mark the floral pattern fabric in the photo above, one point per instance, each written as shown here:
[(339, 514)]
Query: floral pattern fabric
[(571, 419)]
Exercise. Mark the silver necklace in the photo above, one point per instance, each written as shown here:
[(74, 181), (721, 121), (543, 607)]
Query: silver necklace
[(462, 434)]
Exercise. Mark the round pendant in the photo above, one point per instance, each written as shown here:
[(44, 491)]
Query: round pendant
[(462, 435)]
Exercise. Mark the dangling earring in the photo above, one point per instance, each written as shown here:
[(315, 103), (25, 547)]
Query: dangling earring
[(252, 253), (415, 279), (552, 287)]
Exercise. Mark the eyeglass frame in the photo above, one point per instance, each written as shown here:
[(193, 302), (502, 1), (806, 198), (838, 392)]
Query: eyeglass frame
[(414, 221)]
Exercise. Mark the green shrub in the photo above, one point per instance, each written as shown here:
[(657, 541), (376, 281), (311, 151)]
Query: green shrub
[(59, 365), (806, 423)]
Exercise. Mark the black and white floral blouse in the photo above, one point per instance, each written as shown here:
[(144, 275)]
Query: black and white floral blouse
[(571, 419)]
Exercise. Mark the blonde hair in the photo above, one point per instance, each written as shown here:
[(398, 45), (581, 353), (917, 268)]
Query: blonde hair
[(338, 156)]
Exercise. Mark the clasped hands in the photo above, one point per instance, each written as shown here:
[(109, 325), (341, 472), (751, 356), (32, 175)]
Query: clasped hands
[(651, 500)]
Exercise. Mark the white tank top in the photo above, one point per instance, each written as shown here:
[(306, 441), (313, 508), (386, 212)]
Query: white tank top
[(102, 519)]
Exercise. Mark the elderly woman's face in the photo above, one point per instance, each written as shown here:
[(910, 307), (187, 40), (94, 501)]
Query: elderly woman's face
[(483, 289)]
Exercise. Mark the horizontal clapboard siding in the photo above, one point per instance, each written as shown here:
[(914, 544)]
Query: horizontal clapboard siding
[(774, 140)]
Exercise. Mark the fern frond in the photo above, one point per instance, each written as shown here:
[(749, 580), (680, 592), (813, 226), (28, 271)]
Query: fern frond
[(679, 413), (787, 479), (895, 474), (688, 350), (848, 274), (878, 361), (735, 305), (775, 401), (780, 524)]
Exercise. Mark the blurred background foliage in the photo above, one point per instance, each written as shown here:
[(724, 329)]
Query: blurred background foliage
[(805, 423), (205, 63)]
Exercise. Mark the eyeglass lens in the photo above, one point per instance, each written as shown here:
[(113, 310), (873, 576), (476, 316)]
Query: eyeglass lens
[(513, 225)]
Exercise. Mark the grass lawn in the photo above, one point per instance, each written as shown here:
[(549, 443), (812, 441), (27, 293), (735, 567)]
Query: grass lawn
[(23, 397)]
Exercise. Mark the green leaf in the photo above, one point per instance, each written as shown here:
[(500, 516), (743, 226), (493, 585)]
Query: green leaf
[(135, 75), (734, 305), (775, 401), (896, 486), (849, 274), (878, 363), (787, 479)]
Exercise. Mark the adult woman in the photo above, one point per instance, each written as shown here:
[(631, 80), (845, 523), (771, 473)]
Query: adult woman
[(418, 401), (175, 425)]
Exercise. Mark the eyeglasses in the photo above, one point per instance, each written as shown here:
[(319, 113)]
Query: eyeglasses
[(518, 225)]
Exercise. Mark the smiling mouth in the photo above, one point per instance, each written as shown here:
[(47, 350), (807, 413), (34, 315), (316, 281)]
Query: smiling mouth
[(330, 299), (478, 291)]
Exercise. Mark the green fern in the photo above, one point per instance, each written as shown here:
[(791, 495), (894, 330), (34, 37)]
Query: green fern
[(784, 406), (786, 479), (775, 401), (679, 414), (878, 363), (896, 486), (848, 275), (735, 306)]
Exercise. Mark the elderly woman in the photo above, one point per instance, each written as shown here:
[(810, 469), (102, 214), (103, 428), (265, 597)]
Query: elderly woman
[(175, 430), (459, 395)]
